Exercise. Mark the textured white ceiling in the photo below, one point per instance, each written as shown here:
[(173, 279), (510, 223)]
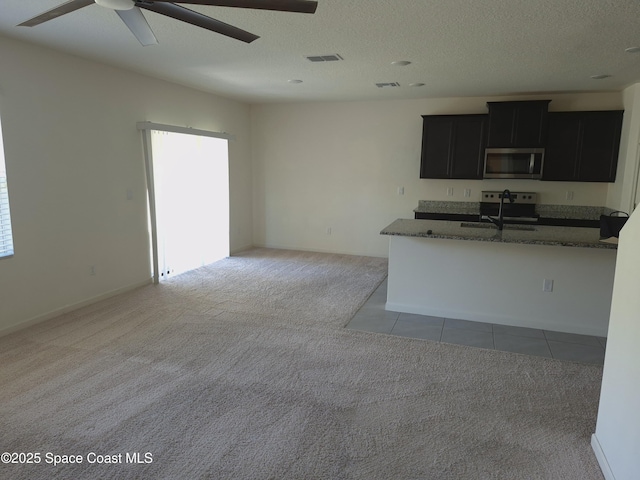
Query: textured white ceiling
[(457, 47)]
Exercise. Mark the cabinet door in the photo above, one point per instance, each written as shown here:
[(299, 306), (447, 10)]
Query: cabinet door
[(561, 153), (501, 121), (521, 124), (600, 146), (583, 146), (453, 146), (467, 159), (437, 137), (530, 128)]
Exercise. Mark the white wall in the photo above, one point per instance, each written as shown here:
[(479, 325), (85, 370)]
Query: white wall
[(72, 152), (617, 438), (621, 193), (339, 166)]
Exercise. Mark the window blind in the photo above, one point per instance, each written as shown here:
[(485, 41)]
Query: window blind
[(6, 236)]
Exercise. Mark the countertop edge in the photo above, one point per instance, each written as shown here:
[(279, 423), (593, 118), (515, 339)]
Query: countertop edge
[(394, 229)]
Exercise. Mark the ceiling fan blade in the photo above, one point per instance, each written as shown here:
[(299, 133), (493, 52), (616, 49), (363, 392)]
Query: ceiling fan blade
[(56, 12), (134, 19), (195, 18), (298, 6)]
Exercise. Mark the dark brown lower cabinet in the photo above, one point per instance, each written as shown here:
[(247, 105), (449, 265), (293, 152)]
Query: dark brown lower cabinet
[(453, 146), (583, 146)]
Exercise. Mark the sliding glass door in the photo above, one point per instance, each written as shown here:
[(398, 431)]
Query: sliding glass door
[(189, 200)]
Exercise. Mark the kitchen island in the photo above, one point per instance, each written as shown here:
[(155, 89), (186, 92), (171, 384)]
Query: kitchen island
[(546, 277)]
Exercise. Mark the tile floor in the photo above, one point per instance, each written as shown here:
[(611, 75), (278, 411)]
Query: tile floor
[(372, 317)]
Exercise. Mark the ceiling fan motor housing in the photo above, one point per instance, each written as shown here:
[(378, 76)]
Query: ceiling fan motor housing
[(116, 4)]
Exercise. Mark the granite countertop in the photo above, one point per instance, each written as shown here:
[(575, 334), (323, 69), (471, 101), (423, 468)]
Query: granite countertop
[(484, 232)]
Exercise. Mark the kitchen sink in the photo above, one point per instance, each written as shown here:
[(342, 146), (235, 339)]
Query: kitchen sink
[(526, 228)]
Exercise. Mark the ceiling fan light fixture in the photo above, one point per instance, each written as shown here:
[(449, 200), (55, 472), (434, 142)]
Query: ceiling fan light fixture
[(116, 4)]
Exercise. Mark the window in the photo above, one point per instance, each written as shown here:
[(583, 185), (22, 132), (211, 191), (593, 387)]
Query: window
[(6, 237)]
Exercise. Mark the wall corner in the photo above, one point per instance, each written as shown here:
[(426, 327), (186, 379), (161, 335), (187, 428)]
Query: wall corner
[(621, 194)]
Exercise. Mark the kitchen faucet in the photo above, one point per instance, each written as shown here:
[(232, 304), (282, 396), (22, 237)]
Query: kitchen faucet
[(499, 222)]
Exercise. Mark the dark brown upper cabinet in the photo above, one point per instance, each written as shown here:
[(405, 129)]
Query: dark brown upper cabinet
[(583, 146), (521, 124), (453, 146)]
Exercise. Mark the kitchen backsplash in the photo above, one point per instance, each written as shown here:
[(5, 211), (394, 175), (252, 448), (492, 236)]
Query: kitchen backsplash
[(546, 211), (570, 211), (436, 206)]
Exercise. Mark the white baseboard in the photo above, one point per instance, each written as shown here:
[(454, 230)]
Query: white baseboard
[(355, 253), (238, 250), (68, 308), (602, 459)]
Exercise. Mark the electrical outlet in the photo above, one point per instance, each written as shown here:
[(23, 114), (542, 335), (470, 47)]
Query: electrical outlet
[(400, 190), (467, 192), (569, 195), (328, 230), (547, 285), (449, 191)]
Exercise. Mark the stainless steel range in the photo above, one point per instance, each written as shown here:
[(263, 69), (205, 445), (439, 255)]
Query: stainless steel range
[(520, 208)]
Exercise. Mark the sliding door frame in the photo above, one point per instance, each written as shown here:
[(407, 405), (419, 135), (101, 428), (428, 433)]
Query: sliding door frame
[(146, 128)]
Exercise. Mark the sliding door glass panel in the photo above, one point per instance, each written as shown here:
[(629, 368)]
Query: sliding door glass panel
[(191, 182)]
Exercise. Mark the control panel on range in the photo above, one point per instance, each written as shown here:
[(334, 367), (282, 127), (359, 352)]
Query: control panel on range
[(516, 197)]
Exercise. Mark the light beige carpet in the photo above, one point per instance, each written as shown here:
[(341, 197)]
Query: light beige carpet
[(243, 370)]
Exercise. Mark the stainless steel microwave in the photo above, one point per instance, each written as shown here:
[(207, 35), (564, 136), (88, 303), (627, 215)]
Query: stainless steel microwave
[(513, 163)]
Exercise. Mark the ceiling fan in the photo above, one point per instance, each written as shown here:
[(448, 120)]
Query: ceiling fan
[(131, 14)]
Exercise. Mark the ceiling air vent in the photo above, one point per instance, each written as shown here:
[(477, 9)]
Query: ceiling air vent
[(390, 84), (334, 57)]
